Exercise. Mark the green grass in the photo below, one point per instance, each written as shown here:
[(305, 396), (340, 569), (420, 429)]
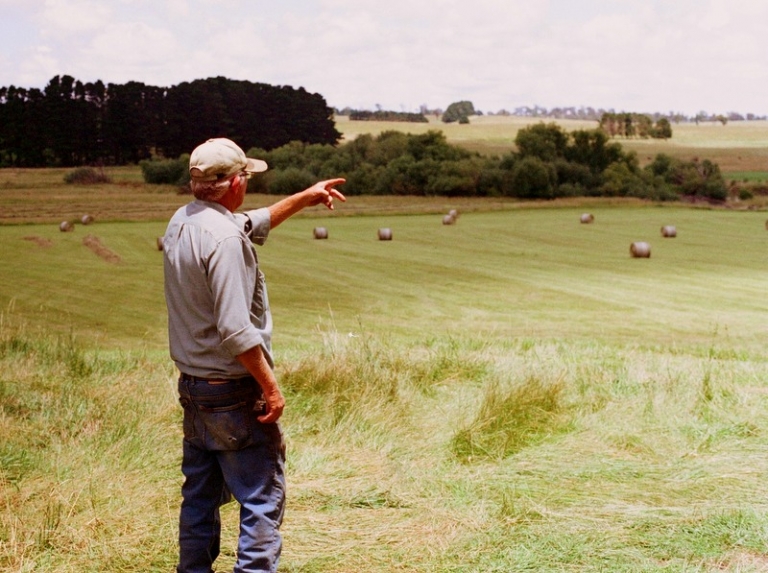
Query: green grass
[(748, 176), (511, 393), (517, 272)]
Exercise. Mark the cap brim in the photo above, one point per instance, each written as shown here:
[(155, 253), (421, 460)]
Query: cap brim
[(255, 165)]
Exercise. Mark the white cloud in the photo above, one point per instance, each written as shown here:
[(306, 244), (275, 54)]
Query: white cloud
[(64, 18), (649, 55), (132, 51)]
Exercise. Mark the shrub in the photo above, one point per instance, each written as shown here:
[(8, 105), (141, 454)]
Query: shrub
[(490, 181), (619, 180), (572, 190), (455, 179), (745, 194), (531, 178), (591, 147), (576, 174), (546, 142), (701, 179), (86, 176), (434, 145), (362, 181), (166, 171), (407, 176), (661, 165), (289, 181)]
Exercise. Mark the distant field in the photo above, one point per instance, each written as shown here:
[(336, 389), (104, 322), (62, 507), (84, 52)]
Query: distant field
[(737, 146)]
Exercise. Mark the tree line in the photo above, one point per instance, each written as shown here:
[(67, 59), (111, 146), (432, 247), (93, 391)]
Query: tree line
[(630, 125), (595, 114), (71, 123), (548, 163), (590, 114), (382, 115)]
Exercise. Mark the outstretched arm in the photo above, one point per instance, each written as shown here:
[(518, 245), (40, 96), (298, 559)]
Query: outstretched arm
[(321, 192)]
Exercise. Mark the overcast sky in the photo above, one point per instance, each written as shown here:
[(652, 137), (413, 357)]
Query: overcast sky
[(629, 55)]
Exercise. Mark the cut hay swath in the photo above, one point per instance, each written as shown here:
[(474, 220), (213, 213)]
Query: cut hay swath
[(101, 250)]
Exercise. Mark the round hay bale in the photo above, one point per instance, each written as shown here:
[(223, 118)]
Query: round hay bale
[(640, 250), (448, 220), (587, 218), (86, 219), (454, 213), (320, 233), (66, 226), (159, 243), (385, 234), (668, 231)]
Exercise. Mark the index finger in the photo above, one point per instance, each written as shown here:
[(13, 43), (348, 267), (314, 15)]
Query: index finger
[(332, 182)]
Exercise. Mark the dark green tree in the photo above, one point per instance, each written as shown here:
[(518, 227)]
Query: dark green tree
[(592, 148), (532, 178), (130, 120), (544, 141), (662, 129), (458, 111)]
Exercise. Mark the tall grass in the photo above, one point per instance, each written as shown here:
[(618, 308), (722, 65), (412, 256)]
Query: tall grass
[(86, 456), (441, 455)]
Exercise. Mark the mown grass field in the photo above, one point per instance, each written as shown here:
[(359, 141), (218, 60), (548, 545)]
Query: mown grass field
[(510, 393)]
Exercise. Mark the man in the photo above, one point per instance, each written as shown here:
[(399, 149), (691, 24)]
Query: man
[(220, 329)]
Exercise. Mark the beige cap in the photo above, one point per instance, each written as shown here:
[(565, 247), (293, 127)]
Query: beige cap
[(220, 158)]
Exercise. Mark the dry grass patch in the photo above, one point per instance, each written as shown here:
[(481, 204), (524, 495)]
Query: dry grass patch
[(39, 241), (100, 250)]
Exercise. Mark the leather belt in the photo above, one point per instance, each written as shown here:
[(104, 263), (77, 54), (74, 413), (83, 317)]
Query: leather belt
[(213, 381)]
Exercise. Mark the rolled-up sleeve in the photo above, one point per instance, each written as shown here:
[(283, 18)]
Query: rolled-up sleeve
[(256, 224)]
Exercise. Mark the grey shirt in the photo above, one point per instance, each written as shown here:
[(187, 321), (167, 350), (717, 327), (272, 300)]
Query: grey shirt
[(214, 290)]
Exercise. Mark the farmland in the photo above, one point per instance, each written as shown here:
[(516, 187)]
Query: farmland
[(510, 393), (736, 146)]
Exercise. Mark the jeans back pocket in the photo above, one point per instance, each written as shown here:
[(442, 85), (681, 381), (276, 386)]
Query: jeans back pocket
[(213, 425)]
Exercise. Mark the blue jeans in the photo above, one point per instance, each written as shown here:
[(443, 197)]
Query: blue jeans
[(227, 450)]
